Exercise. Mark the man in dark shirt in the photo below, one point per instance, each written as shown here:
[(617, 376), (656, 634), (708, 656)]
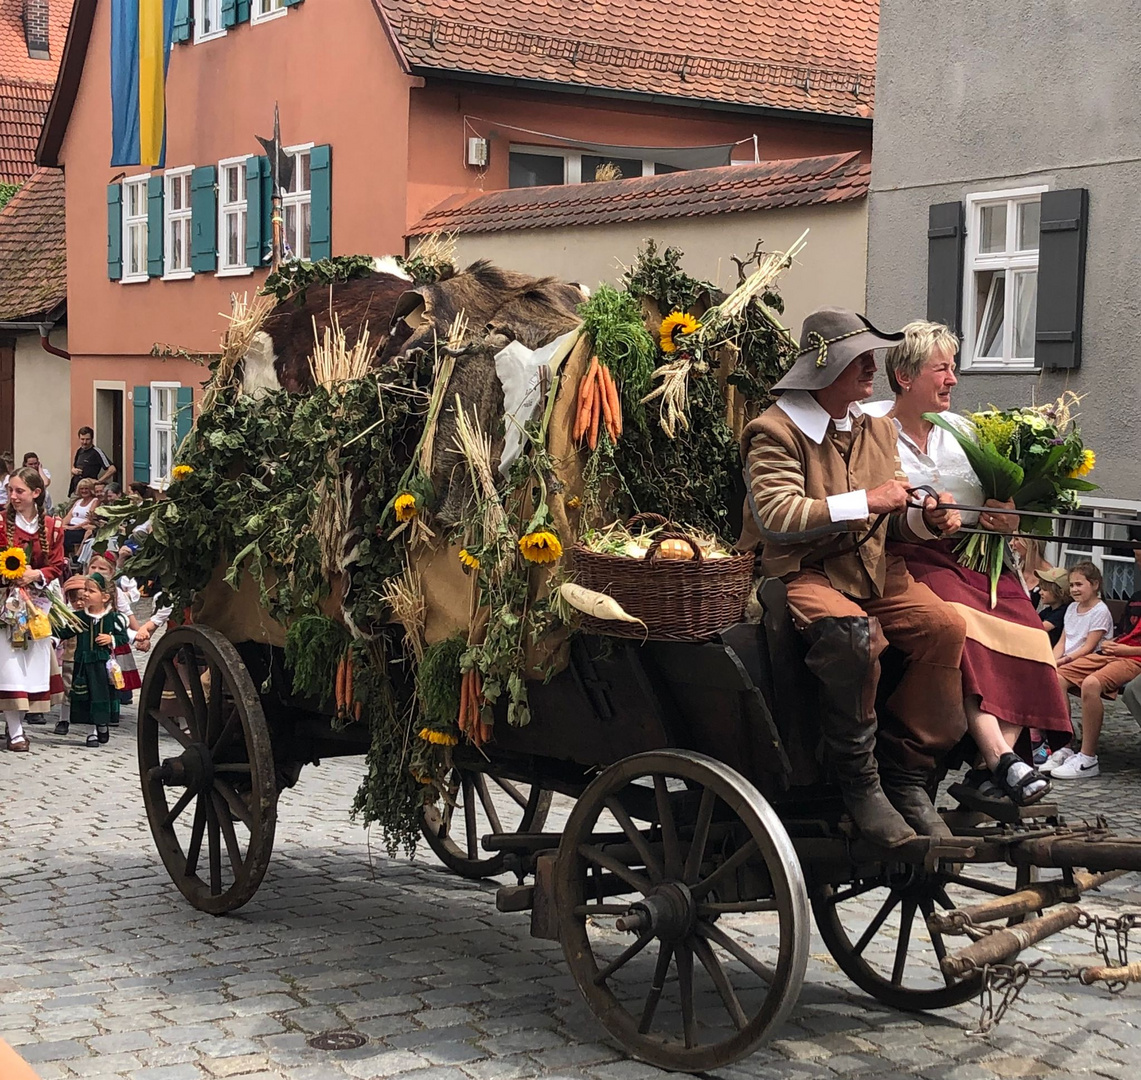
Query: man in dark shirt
[(90, 461)]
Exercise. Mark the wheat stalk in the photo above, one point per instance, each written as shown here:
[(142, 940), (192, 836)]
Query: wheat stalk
[(475, 446), (436, 250), (332, 361), (405, 596), (245, 319)]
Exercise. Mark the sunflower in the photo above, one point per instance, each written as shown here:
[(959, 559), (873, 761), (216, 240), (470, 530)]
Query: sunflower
[(574, 502), (468, 559), (13, 563), (676, 322), (438, 738), (405, 507), (540, 547), (1085, 466), (181, 472)]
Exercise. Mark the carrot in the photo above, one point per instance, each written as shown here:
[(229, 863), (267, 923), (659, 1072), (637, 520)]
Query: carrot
[(358, 710), (485, 731), (604, 396), (615, 401), (585, 396), (595, 413), (348, 679), (464, 691), (339, 685)]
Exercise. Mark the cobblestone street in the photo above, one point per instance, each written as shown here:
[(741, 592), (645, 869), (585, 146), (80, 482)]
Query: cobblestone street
[(106, 971)]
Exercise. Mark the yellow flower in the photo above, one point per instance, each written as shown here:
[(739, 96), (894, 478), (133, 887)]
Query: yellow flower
[(676, 322), (405, 507), (1085, 466), (181, 472), (574, 502), (13, 563), (438, 738), (540, 547), (468, 559)]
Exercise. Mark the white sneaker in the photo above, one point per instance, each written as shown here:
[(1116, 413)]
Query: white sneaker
[(1079, 767), (1055, 759)]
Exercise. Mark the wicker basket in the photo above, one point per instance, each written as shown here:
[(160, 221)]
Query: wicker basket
[(678, 600)]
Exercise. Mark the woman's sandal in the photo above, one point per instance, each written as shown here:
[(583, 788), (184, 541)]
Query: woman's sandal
[(1017, 792)]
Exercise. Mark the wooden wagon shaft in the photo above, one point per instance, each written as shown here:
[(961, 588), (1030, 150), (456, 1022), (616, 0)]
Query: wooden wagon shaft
[(1126, 973), (1115, 853), (1044, 894), (996, 947)]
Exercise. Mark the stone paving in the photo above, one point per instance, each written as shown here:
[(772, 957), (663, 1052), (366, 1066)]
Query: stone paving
[(105, 971)]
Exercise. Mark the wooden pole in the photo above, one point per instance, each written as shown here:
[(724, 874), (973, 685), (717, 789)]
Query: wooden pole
[(1005, 944)]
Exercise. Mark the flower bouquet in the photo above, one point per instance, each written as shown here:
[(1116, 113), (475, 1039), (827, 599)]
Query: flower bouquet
[(1033, 456)]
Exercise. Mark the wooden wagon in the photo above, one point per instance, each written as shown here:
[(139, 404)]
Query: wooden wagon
[(702, 833)]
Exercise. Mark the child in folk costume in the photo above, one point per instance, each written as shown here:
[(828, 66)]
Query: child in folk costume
[(29, 674), (102, 564), (94, 690)]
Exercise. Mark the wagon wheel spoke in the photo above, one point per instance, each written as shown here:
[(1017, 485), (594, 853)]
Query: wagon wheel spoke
[(906, 919), (874, 926), (601, 909), (668, 827), (649, 859), (170, 727), (471, 826), (665, 954), (736, 907), (233, 766), (488, 805), (229, 835), (944, 900), (513, 791), (196, 833), (712, 965), (616, 867), (712, 932), (174, 681), (979, 885), (199, 725), (178, 807), (235, 803), (232, 726), (927, 906), (685, 989), (215, 702), (730, 866), (624, 957), (214, 847), (700, 836), (853, 891)]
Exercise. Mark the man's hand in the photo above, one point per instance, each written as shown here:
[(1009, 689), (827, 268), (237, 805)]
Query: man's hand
[(887, 498), (76, 471), (1003, 523), (941, 519)]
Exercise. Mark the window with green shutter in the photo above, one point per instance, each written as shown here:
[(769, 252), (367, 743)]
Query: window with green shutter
[(155, 230), (182, 21), (257, 237), (141, 457), (114, 232), (321, 200), (203, 220)]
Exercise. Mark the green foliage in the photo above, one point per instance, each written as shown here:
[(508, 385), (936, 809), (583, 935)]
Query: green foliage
[(438, 683), (292, 279), (6, 193), (424, 271), (614, 323), (314, 645), (661, 278)]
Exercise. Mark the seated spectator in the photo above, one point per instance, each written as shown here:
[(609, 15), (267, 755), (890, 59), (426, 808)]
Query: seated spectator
[(1031, 564), (1054, 588), (79, 520)]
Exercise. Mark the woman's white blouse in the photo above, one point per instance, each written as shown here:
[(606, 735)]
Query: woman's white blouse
[(944, 466)]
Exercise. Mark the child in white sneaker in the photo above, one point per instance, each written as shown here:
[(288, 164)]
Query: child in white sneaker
[(1081, 661)]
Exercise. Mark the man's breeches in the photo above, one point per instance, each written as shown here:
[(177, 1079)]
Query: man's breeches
[(924, 716)]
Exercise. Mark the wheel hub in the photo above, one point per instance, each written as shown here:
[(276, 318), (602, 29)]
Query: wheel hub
[(670, 912), (193, 768)]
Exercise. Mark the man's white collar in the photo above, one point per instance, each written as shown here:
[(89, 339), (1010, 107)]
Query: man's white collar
[(810, 416)]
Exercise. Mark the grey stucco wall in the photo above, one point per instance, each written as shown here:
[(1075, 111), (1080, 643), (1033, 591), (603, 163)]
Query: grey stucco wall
[(979, 96)]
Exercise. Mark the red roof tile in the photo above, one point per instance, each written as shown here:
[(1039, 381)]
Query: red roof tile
[(15, 63), (802, 55), (23, 106), (732, 188), (33, 253)]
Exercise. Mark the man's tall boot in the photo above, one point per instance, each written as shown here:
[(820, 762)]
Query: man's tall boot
[(906, 789), (841, 656)]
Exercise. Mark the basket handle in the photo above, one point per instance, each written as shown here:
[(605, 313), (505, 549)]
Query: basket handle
[(648, 519), (698, 557)]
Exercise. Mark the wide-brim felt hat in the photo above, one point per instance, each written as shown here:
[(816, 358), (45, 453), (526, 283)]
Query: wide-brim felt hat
[(830, 340)]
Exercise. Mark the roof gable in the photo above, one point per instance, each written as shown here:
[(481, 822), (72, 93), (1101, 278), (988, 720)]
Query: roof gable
[(33, 251), (23, 106), (769, 185), (15, 63), (812, 56)]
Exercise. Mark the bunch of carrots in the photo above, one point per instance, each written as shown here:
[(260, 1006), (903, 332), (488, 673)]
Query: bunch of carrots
[(471, 720), (343, 688), (597, 402)]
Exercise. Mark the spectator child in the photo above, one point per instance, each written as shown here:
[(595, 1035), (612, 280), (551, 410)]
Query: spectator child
[(100, 564), (1055, 589)]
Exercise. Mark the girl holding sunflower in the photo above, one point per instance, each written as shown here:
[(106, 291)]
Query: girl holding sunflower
[(31, 558)]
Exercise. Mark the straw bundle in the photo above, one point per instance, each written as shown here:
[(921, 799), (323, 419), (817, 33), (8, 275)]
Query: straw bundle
[(332, 361), (245, 320), (405, 596), (769, 268), (475, 446), (435, 252)]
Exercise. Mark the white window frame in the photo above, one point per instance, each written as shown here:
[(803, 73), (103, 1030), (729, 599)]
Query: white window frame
[(1060, 553), (131, 221), (159, 427), (299, 198), (269, 16), (169, 218), (200, 37), (1008, 260), (226, 209), (572, 161)]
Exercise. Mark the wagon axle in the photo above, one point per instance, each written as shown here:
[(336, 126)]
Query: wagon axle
[(669, 913), (192, 769)]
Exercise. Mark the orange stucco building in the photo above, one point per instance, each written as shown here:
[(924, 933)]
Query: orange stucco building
[(379, 103)]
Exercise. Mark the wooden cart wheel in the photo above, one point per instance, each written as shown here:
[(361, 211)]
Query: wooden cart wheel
[(688, 933), (206, 765), (876, 930), (474, 805)]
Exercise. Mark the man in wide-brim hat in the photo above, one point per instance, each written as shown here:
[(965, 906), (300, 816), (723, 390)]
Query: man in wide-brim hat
[(822, 475)]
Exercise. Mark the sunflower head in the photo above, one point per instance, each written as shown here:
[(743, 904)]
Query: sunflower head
[(13, 563), (1089, 460), (673, 325), (405, 507), (181, 472), (540, 547), (438, 738), (468, 559)]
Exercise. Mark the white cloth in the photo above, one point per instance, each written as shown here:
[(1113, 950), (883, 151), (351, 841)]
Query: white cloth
[(79, 514), (1079, 625), (27, 670), (944, 465), (43, 470)]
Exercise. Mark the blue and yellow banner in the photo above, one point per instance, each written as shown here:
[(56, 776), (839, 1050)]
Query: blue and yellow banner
[(141, 32)]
